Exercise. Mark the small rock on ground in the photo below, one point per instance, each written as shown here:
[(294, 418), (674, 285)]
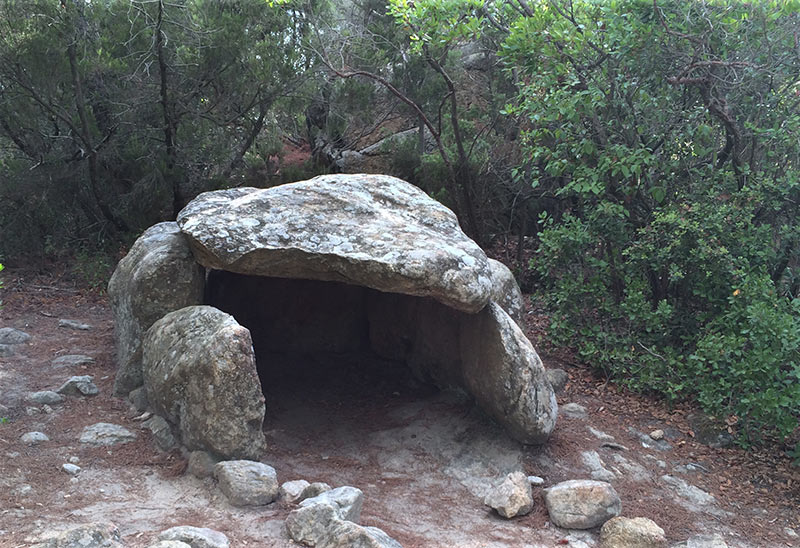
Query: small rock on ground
[(74, 324), (34, 438), (201, 464), (535, 480), (6, 350), (169, 544), (45, 397), (512, 497), (9, 335), (346, 534), (706, 541), (582, 504), (657, 435), (91, 535), (162, 433), (71, 469), (291, 491), (573, 410), (623, 532), (71, 360), (79, 385), (558, 379), (196, 537), (104, 433), (317, 516), (247, 483), (596, 466)]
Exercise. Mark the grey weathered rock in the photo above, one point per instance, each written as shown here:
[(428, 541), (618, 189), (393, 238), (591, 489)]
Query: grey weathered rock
[(596, 466), (71, 469), (558, 379), (74, 324), (157, 276), (91, 535), (650, 443), (706, 541), (6, 350), (9, 335), (45, 397), (504, 373), (315, 489), (582, 504), (573, 410), (247, 483), (506, 292), (692, 494), (346, 534), (310, 524), (201, 464), (535, 480), (623, 532), (34, 438), (368, 230), (79, 385), (346, 500), (316, 516), (200, 374), (103, 433), (138, 398), (169, 544), (71, 360), (196, 537), (162, 433), (512, 497), (292, 491)]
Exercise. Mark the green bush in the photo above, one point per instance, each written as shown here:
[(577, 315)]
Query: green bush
[(672, 148)]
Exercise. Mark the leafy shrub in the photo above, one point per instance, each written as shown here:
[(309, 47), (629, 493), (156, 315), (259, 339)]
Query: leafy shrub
[(672, 262)]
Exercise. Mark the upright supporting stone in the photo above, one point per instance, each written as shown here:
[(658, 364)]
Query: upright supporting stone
[(157, 276)]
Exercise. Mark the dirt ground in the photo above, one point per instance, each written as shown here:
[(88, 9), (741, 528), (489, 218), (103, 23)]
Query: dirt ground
[(423, 458)]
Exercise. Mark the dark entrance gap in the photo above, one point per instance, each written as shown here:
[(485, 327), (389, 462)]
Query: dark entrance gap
[(315, 345)]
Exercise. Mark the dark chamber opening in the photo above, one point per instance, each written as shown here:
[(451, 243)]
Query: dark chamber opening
[(315, 341)]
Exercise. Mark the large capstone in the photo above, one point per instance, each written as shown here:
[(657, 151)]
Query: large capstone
[(368, 230), (200, 375), (158, 275)]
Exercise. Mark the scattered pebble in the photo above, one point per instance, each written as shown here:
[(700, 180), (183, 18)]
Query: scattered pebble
[(79, 385), (535, 480), (71, 469), (74, 460), (657, 435), (34, 438), (104, 433), (45, 397), (71, 360), (573, 410), (9, 335), (74, 324)]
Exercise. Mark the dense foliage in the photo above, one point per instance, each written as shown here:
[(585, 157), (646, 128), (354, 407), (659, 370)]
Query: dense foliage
[(647, 150), (670, 132)]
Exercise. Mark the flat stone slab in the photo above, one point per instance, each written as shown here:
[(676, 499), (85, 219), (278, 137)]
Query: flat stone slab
[(247, 483), (79, 385), (104, 433), (371, 230), (72, 360), (74, 324), (9, 335), (196, 537)]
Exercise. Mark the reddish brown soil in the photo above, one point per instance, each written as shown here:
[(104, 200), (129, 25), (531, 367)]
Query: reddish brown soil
[(760, 488)]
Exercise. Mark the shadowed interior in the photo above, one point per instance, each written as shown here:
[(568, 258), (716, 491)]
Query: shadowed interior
[(311, 335)]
